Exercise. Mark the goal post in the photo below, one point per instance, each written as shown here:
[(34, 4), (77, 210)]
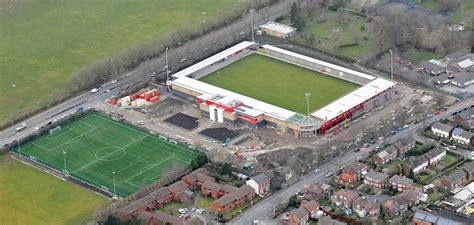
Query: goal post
[(55, 130)]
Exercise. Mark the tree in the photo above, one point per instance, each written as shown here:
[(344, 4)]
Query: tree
[(226, 169), (393, 29), (199, 161), (296, 18), (342, 15), (449, 5)]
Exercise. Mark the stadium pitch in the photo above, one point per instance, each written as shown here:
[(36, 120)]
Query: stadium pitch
[(279, 83), (93, 147)]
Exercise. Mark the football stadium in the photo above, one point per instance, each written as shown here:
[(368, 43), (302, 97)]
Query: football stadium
[(264, 85), (107, 154)]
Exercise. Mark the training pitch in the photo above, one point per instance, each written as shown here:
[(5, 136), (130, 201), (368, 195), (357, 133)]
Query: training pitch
[(279, 83), (94, 147)]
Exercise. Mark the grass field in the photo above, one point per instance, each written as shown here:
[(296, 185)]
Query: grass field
[(94, 147), (279, 83), (43, 42), (31, 196)]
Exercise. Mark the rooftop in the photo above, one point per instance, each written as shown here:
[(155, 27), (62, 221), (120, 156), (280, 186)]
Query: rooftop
[(278, 27)]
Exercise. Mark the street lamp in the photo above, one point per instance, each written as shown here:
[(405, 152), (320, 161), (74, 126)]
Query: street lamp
[(307, 94), (113, 175), (19, 148), (65, 168), (167, 66), (253, 25), (391, 63)]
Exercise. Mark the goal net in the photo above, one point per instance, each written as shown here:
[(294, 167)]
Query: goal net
[(55, 130)]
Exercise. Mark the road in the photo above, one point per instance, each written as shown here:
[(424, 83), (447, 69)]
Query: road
[(262, 211)]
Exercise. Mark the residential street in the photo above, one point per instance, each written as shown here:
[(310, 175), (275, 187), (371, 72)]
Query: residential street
[(263, 210)]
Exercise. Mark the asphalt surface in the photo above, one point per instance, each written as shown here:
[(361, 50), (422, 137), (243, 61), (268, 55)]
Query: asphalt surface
[(262, 211)]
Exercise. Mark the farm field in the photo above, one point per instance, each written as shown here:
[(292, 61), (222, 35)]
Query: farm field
[(93, 147), (31, 196), (279, 83), (43, 42)]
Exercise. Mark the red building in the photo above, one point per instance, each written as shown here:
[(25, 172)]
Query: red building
[(235, 199), (353, 172)]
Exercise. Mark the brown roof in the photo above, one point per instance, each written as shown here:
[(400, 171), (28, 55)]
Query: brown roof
[(244, 190), (193, 175), (366, 202), (326, 220), (310, 206), (260, 178), (225, 200), (411, 195), (391, 149), (300, 212), (374, 175), (394, 203), (159, 216), (314, 189), (355, 168), (203, 178), (212, 186), (347, 193), (136, 205), (229, 188), (178, 186), (402, 142), (469, 168), (401, 180), (160, 193)]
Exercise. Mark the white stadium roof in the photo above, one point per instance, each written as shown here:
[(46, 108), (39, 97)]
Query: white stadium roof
[(353, 99), (204, 88), (326, 64), (278, 27), (213, 59)]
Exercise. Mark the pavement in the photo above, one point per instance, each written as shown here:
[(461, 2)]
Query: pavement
[(262, 211)]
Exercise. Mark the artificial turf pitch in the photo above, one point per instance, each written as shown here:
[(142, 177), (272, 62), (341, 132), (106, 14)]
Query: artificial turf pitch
[(95, 146), (279, 83)]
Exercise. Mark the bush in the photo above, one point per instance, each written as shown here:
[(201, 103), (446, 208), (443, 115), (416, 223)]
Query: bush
[(199, 161), (279, 19)]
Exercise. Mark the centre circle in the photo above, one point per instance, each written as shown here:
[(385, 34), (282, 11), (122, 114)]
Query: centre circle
[(110, 153)]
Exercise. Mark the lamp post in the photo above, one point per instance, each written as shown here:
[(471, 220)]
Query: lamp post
[(307, 94), (167, 66), (391, 64), (253, 25), (64, 156), (113, 176), (19, 148)]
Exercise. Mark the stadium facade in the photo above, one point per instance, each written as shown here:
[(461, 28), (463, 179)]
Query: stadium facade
[(225, 106)]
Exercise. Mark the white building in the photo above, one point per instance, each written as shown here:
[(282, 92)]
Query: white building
[(441, 129), (461, 136), (278, 30)]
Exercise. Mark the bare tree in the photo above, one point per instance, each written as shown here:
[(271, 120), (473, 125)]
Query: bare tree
[(342, 15), (392, 29), (449, 5)]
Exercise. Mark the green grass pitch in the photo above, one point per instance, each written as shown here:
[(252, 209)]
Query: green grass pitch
[(31, 196), (43, 42), (279, 83), (96, 146)]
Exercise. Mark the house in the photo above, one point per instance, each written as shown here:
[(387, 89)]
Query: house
[(454, 180), (394, 207), (316, 191), (278, 30), (401, 183), (464, 80), (235, 199), (213, 189), (158, 218), (388, 154), (260, 183), (465, 119), (441, 130), (156, 199), (469, 169), (442, 79), (435, 155), (227, 189), (299, 216), (344, 198), (425, 218), (462, 137), (432, 68), (353, 172), (405, 144), (376, 179), (366, 206), (326, 220), (411, 196), (312, 207), (416, 165), (197, 177), (462, 198), (178, 188)]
